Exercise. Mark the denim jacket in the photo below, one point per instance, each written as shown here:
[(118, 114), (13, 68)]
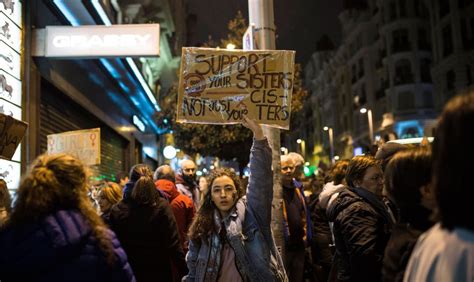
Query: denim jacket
[(248, 230)]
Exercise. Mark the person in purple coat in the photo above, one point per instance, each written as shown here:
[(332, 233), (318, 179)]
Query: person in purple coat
[(54, 233)]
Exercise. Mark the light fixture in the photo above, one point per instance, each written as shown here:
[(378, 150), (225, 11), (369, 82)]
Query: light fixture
[(363, 110), (325, 128), (306, 163), (299, 141), (230, 46), (169, 152), (336, 158)]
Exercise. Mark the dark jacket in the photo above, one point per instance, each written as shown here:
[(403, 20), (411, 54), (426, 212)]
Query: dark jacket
[(149, 236), (321, 250), (402, 241), (361, 230), (59, 247), (183, 209)]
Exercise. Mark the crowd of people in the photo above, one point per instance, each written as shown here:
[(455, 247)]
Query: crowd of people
[(400, 215)]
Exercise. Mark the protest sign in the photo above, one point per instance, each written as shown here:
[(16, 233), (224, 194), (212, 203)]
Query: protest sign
[(11, 133), (83, 144), (220, 86)]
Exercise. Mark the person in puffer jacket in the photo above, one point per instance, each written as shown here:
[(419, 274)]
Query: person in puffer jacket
[(54, 234), (362, 224)]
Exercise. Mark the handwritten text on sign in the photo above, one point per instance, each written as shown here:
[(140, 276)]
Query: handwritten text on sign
[(83, 144), (220, 86)]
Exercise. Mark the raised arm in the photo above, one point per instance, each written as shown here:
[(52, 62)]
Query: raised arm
[(260, 188)]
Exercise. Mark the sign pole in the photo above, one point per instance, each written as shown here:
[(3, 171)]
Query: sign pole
[(261, 15)]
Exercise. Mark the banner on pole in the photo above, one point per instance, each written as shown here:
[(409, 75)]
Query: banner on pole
[(83, 144), (219, 86), (11, 134)]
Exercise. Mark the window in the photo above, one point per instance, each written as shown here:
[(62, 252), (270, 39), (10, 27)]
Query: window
[(400, 41), (423, 42), (393, 10), (443, 6), (403, 74), (428, 100), (416, 4), (463, 3), (450, 79), (403, 8), (447, 41), (468, 75), (361, 68), (425, 66), (406, 101)]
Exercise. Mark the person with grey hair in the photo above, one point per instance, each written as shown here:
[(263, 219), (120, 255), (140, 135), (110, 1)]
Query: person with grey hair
[(181, 205), (296, 218)]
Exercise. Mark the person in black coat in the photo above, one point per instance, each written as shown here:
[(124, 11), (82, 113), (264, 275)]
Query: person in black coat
[(146, 227), (361, 222), (407, 179)]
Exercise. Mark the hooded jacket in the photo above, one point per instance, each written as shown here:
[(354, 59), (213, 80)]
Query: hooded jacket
[(361, 230), (59, 247), (183, 209)]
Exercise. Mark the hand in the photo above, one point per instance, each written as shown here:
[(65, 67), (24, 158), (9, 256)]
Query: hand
[(255, 127)]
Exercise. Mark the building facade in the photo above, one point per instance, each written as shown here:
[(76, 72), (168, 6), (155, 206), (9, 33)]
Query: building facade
[(393, 62)]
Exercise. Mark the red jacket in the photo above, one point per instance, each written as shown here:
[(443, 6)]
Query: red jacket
[(183, 209)]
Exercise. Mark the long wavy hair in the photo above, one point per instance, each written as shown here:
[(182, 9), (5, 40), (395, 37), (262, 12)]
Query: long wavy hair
[(59, 182), (203, 223)]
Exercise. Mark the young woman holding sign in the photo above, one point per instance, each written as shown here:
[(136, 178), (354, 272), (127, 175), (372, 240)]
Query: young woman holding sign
[(230, 237)]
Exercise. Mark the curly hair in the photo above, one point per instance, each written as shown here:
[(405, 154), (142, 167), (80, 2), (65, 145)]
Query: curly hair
[(58, 182), (203, 223), (5, 198), (338, 171)]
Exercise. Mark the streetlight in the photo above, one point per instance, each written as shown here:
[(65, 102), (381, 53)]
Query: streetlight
[(230, 46), (331, 142), (371, 125), (303, 146)]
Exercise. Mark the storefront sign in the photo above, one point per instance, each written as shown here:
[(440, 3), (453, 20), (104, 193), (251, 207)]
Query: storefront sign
[(103, 41), (220, 86), (83, 144)]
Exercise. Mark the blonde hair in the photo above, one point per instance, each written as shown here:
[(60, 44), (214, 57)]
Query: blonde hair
[(58, 182), (111, 192)]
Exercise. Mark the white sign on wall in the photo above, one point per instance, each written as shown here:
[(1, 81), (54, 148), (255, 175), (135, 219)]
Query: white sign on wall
[(103, 41), (10, 88), (10, 172), (9, 60), (10, 33), (12, 9)]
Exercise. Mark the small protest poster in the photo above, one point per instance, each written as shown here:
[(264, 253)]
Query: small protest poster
[(83, 144), (219, 86), (11, 134)]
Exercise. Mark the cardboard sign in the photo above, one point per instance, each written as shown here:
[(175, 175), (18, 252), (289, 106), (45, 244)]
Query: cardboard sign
[(220, 86), (11, 133), (83, 144)]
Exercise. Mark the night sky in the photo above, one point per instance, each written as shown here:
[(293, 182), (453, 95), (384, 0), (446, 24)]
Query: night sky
[(300, 23)]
